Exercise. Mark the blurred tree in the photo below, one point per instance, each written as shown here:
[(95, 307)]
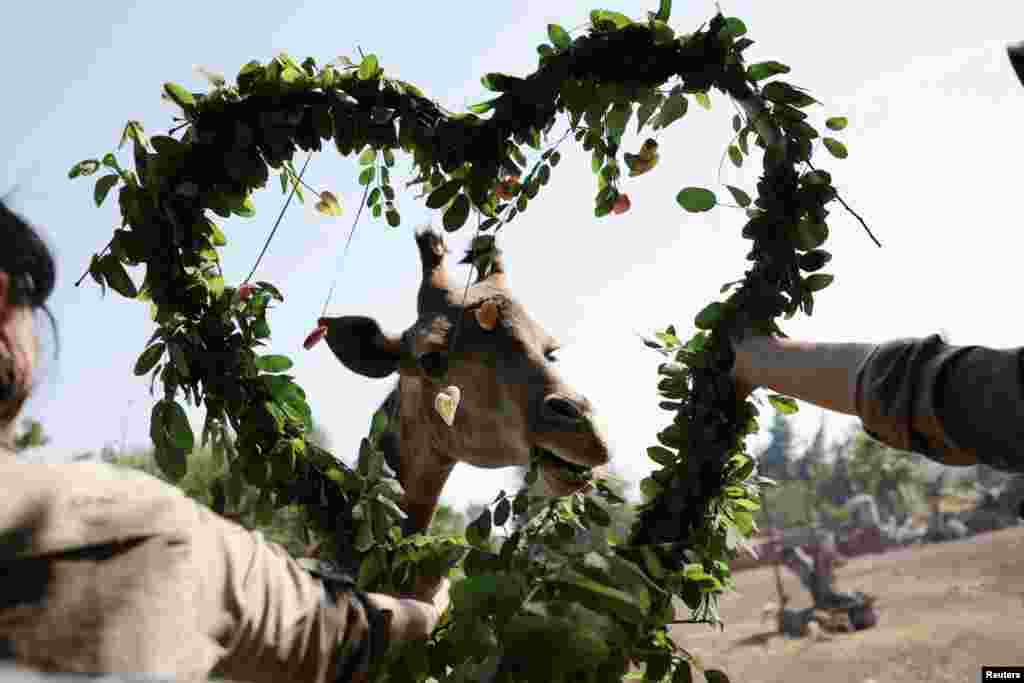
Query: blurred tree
[(895, 478), (775, 460), (31, 436), (448, 521)]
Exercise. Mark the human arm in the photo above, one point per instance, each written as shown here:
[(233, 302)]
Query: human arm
[(958, 405), (279, 619), (414, 615)]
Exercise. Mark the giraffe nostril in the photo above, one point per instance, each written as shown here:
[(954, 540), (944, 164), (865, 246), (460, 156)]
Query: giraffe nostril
[(563, 408)]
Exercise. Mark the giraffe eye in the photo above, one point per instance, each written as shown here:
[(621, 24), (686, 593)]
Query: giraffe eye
[(434, 363), (551, 356)]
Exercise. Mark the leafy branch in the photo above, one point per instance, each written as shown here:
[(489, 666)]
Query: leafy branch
[(553, 586)]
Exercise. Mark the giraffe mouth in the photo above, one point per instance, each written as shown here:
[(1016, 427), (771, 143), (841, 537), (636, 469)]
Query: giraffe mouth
[(567, 470)]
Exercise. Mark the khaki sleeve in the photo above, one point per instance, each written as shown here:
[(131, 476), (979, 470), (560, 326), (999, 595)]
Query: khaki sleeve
[(278, 621), (957, 405)]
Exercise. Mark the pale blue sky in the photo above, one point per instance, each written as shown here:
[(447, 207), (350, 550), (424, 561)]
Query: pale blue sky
[(935, 131)]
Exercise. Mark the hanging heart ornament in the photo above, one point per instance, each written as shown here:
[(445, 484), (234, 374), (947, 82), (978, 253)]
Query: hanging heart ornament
[(447, 402)]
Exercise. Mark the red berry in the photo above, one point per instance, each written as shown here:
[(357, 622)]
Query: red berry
[(507, 187), (314, 337), (246, 291), (621, 204)]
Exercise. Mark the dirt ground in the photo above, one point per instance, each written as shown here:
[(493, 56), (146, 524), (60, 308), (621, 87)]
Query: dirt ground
[(945, 610)]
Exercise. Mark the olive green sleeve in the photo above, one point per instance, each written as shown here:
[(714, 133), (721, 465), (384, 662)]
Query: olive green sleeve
[(953, 404)]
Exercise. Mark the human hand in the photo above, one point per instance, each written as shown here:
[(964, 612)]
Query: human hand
[(742, 365), (432, 592), (415, 614)]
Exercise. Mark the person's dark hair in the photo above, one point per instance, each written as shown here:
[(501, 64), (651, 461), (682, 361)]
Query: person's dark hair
[(28, 263)]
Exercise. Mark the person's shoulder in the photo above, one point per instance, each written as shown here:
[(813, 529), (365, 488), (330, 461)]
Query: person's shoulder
[(60, 507)]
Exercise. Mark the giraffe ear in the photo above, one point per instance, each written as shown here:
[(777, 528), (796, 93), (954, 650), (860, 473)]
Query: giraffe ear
[(361, 346)]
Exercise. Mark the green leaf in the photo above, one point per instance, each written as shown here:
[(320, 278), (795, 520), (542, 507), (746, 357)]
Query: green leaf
[(133, 130), (616, 19), (709, 316), (444, 193), (475, 592), (682, 674), (456, 215), (393, 217), (814, 260), (149, 358), (559, 36), (178, 357), (703, 99), (835, 148), (364, 536), (502, 512), (367, 175), (117, 277), (735, 156), (696, 199), (596, 513), (273, 363), (179, 431), (368, 156), (483, 107), (84, 168), (735, 27), (180, 96), (647, 108), (661, 455), (260, 329), (617, 119), (649, 488), (329, 204), (672, 109), (271, 289), (664, 10), (368, 68), (662, 32), (172, 461), (479, 530), (817, 281), (741, 197), (763, 70), (373, 197), (784, 93), (784, 404), (600, 597), (245, 209), (110, 162), (811, 235), (103, 187), (836, 123)]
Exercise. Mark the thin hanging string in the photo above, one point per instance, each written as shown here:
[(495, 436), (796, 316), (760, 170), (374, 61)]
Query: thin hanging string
[(465, 293), (279, 217), (341, 265)]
